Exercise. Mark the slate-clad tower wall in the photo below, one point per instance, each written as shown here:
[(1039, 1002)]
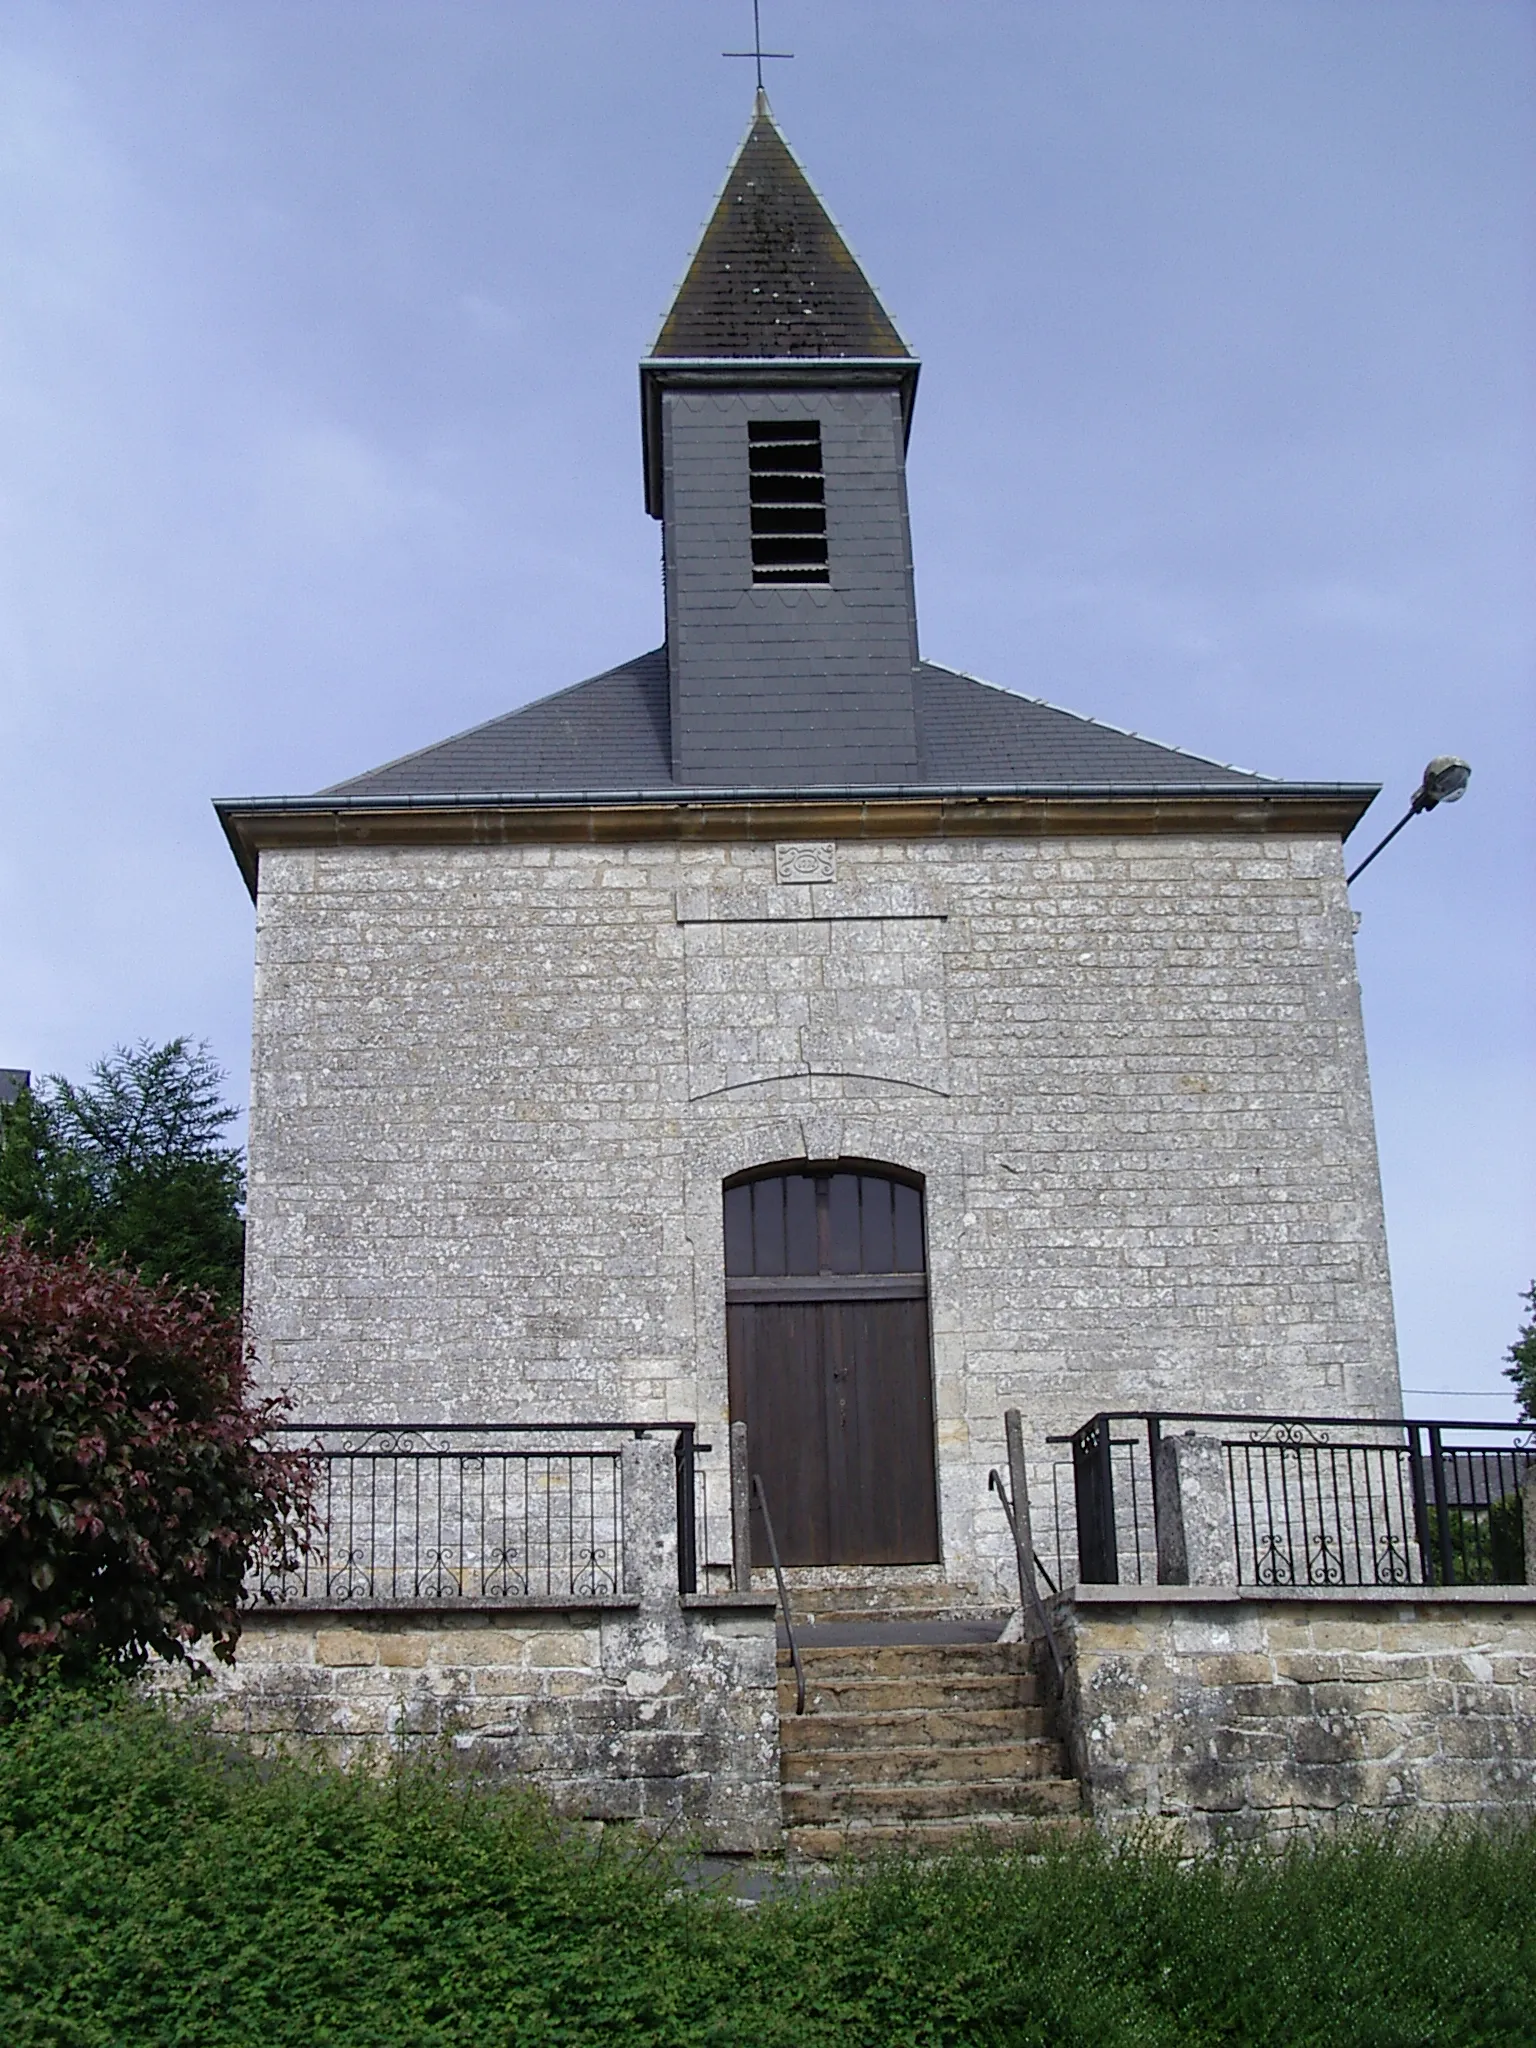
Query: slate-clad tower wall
[(787, 686)]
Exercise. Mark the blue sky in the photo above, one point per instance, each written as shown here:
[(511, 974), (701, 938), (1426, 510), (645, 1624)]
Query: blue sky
[(319, 441)]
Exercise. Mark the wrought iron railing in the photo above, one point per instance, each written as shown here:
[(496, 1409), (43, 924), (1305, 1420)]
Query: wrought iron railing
[(760, 1501), (471, 1515), (1314, 1501)]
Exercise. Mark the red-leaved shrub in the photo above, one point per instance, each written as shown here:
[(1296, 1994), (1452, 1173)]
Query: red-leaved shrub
[(134, 1488)]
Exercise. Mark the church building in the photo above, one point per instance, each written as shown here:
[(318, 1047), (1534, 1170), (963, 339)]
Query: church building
[(784, 1028)]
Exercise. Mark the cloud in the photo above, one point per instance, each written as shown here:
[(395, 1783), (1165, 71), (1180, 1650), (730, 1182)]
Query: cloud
[(1358, 607), (488, 316), (326, 485)]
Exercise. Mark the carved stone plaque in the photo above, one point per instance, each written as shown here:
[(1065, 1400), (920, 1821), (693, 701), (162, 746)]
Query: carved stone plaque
[(806, 861)]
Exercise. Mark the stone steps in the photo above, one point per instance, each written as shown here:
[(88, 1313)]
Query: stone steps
[(918, 1744), (895, 1659), (871, 1596), (819, 1605), (838, 1805), (967, 1692), (995, 1767), (828, 1614), (933, 1837), (961, 1728)]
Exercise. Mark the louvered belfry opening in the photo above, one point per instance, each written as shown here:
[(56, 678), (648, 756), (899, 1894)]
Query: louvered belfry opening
[(826, 1290), (789, 501)]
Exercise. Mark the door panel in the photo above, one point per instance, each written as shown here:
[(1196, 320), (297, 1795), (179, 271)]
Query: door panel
[(880, 1449), (776, 1376), (829, 1364)]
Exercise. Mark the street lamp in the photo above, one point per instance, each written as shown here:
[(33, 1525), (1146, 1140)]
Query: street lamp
[(1445, 782)]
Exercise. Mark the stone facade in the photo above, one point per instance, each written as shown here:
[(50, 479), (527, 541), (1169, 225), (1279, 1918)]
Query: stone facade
[(1220, 1720), (497, 1088)]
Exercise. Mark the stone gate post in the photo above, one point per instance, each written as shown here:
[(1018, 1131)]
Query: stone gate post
[(1195, 1545)]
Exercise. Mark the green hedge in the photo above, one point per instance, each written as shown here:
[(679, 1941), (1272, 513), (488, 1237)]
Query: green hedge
[(156, 1887)]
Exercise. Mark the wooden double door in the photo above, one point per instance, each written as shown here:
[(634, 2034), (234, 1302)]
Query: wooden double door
[(827, 1341)]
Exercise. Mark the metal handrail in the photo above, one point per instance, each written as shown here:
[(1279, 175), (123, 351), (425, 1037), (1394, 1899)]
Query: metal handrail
[(1029, 1591), (1016, 1509), (778, 1573), (1247, 1417)]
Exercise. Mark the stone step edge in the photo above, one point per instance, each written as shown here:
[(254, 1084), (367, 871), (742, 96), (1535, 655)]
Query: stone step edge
[(917, 1660), (1031, 1762), (833, 1607), (818, 1707), (868, 1698), (818, 1842), (912, 1757), (885, 1732), (858, 1734), (899, 1805), (978, 1682)]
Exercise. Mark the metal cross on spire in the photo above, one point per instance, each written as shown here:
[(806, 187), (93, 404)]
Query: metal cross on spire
[(757, 52)]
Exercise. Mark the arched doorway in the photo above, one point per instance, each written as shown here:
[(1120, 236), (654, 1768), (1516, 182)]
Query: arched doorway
[(826, 1294)]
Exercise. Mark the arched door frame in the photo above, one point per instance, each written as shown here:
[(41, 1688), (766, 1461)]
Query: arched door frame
[(830, 1359)]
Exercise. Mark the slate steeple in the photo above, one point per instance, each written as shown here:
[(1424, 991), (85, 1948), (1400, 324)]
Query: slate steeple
[(776, 403), (771, 275)]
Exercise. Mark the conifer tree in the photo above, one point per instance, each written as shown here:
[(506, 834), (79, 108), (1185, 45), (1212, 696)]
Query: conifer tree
[(1522, 1359), (135, 1163)]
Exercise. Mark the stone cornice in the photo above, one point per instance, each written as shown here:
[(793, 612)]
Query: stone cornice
[(270, 824)]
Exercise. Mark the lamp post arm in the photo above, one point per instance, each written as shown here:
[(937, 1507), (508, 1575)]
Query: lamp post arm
[(1402, 821)]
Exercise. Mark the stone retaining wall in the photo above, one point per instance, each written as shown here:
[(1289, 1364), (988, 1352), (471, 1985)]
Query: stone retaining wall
[(667, 1720), (1224, 1718)]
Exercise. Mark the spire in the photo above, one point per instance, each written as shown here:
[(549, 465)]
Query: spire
[(772, 277)]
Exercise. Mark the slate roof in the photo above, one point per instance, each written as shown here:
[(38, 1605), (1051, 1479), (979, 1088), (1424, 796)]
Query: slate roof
[(772, 277), (610, 736)]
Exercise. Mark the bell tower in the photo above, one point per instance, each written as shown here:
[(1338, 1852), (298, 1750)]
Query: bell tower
[(776, 404)]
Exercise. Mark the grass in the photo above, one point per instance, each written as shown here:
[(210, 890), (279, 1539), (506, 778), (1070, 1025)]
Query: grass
[(158, 1888)]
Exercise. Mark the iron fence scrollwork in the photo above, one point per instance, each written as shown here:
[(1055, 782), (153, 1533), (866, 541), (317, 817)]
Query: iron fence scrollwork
[(466, 1515), (1324, 1501)]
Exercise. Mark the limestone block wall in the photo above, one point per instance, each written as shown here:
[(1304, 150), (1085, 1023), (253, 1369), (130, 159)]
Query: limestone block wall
[(1222, 1720), (496, 1090), (670, 1723)]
